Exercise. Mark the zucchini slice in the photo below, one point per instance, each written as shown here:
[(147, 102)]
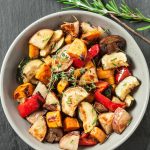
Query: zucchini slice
[(29, 70), (41, 38), (71, 98), (114, 60), (26, 70), (88, 116)]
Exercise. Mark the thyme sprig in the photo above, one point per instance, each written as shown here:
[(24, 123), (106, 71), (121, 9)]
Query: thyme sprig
[(113, 10)]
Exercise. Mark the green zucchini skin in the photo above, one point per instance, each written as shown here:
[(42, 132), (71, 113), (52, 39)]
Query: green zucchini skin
[(19, 75)]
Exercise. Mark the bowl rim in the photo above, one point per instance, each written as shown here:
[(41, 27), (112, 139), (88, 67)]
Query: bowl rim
[(10, 120)]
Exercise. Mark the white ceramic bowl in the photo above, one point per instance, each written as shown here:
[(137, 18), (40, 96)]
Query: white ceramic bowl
[(18, 50)]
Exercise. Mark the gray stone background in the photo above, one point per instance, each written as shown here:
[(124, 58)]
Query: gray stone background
[(15, 15)]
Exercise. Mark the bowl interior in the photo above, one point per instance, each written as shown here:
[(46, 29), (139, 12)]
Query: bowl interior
[(19, 50)]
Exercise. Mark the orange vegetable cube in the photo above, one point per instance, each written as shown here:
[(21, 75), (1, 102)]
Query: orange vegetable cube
[(33, 51), (71, 124), (98, 134), (43, 73), (104, 74), (53, 119)]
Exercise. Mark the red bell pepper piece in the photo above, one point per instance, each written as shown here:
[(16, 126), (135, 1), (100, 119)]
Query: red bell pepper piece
[(38, 97), (30, 105), (78, 63), (92, 52), (87, 140), (101, 85), (121, 74), (107, 102)]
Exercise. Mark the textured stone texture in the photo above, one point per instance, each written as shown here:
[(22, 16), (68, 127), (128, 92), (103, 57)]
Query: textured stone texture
[(15, 15)]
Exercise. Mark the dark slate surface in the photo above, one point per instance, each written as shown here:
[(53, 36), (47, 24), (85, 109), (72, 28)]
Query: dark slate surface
[(15, 15)]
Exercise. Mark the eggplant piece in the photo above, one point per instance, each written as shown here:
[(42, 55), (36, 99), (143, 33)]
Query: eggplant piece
[(121, 120), (54, 135), (112, 43), (39, 129), (114, 60), (100, 108), (41, 38), (34, 116), (88, 116), (106, 120), (52, 102), (71, 98), (70, 141), (126, 86)]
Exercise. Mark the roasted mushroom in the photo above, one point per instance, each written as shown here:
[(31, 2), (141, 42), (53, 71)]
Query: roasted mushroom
[(112, 43), (54, 135)]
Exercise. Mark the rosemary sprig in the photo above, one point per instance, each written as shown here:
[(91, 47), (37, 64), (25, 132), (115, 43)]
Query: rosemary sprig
[(114, 11)]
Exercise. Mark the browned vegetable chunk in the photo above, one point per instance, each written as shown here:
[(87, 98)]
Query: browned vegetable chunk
[(33, 51), (54, 135), (112, 44), (23, 91), (121, 120), (99, 107)]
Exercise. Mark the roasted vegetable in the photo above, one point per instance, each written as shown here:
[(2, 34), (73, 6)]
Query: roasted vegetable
[(87, 140), (77, 49), (105, 120), (53, 119), (33, 51), (101, 85), (70, 124), (99, 107), (107, 102), (62, 85), (47, 60), (54, 135), (112, 43), (34, 116), (129, 100), (70, 141), (31, 105), (71, 28), (42, 89), (117, 100), (121, 120), (71, 98), (52, 102), (43, 74), (114, 60), (39, 128), (58, 45), (98, 134), (121, 74), (104, 74), (61, 62), (88, 116), (28, 70), (89, 77), (90, 98), (69, 39), (41, 38), (23, 91), (89, 65), (126, 86)]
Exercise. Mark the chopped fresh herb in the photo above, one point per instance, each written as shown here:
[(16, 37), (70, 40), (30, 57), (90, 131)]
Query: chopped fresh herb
[(113, 59), (114, 64), (72, 141), (69, 100), (46, 38), (59, 65)]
